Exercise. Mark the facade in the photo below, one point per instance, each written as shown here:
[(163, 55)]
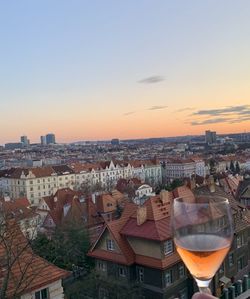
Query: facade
[(184, 168), (43, 140), (210, 137), (24, 140), (35, 183), (50, 138)]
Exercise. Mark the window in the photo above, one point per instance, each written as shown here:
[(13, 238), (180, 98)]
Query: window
[(168, 247), (140, 274), (183, 294), (231, 259), (240, 240), (31, 182), (181, 271), (221, 269), (31, 188), (110, 245), (43, 294), (122, 271), (240, 263), (38, 181), (168, 278), (102, 266)]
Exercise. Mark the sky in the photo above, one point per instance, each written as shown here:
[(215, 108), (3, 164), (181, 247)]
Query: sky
[(88, 70)]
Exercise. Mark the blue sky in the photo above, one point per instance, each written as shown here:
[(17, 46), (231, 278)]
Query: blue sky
[(77, 67)]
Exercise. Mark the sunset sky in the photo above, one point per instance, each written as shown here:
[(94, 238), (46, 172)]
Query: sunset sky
[(88, 70)]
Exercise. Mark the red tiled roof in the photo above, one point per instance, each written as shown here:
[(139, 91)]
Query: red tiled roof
[(152, 230), (29, 272)]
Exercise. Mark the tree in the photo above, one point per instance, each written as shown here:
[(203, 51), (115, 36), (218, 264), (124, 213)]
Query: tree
[(237, 167), (67, 247), (19, 265), (232, 168), (212, 166)]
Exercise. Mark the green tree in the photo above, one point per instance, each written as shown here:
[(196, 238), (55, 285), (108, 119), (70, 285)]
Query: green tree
[(232, 167), (237, 167), (67, 247)]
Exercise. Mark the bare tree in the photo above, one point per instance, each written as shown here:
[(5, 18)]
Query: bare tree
[(19, 266)]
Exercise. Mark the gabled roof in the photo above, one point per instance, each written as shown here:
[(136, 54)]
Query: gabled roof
[(127, 255), (151, 230)]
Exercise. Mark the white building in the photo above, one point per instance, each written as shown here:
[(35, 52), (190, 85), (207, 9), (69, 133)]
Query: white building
[(184, 168), (35, 183)]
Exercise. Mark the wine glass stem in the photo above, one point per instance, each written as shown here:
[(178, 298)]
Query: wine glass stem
[(203, 286)]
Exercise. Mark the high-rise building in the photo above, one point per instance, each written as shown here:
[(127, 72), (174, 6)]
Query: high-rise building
[(50, 138), (115, 141), (210, 137), (43, 140), (24, 140)]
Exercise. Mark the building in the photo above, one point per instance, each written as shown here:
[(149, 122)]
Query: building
[(13, 145), (25, 141), (210, 137), (19, 209), (43, 140), (69, 206), (115, 141), (50, 138), (24, 274), (183, 168), (139, 247), (243, 192), (37, 182)]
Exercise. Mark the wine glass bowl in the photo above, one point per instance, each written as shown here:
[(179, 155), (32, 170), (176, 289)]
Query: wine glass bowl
[(203, 234)]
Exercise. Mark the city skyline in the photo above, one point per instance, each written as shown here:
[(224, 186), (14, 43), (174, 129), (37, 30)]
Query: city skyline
[(96, 71)]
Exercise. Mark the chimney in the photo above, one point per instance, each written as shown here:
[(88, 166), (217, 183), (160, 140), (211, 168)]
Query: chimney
[(164, 196), (211, 184), (141, 214), (93, 196), (6, 198)]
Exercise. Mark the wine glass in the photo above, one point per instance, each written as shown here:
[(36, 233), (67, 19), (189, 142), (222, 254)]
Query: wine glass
[(203, 234)]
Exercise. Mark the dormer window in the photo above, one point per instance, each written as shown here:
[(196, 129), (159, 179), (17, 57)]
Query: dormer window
[(168, 247), (110, 245)]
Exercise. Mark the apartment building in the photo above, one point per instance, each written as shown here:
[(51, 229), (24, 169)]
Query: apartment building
[(35, 183), (184, 168)]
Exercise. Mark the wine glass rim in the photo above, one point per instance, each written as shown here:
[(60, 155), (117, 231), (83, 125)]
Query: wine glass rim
[(208, 199)]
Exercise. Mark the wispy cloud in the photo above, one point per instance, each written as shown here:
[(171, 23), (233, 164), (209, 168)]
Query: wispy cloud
[(129, 113), (152, 80), (157, 107), (209, 121), (185, 109), (225, 111), (230, 115), (152, 108)]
